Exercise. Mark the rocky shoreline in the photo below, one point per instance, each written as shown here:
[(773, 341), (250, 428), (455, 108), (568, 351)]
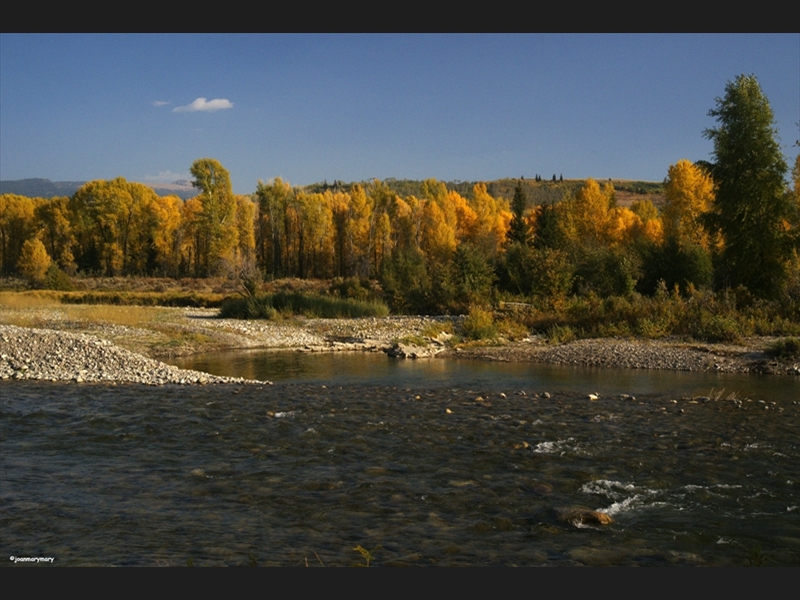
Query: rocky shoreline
[(45, 354), (70, 350), (667, 354)]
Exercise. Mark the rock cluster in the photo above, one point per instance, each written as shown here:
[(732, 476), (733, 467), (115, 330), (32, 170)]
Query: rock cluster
[(60, 356)]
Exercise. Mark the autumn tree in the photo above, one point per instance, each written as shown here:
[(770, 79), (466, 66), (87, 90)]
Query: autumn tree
[(585, 218), (54, 218), (17, 225), (217, 220), (34, 261), (166, 226), (690, 195), (110, 225), (751, 204), (273, 199)]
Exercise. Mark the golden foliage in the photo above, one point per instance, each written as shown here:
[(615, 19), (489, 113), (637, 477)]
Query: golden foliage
[(34, 260), (690, 194)]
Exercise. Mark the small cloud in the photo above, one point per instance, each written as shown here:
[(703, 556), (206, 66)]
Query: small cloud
[(201, 104), (158, 103), (167, 177)]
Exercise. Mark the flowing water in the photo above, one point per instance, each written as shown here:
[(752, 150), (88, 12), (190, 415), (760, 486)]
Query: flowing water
[(437, 462)]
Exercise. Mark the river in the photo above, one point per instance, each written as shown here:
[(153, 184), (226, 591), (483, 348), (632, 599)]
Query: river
[(435, 462)]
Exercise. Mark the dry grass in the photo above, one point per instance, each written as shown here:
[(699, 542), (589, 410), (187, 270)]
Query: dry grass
[(31, 308), (29, 300), (128, 316)]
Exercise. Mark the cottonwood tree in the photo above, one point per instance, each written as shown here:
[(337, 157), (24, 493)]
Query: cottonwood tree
[(217, 219)]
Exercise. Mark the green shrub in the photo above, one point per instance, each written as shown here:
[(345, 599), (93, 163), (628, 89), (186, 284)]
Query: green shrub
[(787, 348), (720, 328), (479, 324), (56, 279), (560, 334)]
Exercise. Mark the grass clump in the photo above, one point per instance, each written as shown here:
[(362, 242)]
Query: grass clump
[(560, 334), (479, 324)]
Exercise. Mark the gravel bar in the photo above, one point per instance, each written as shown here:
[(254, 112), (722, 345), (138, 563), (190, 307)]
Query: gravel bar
[(46, 354)]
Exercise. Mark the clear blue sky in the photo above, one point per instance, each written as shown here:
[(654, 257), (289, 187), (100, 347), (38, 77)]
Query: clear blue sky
[(356, 107)]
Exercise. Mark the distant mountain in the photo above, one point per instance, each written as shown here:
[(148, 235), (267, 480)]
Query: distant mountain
[(44, 188), (181, 188), (39, 188)]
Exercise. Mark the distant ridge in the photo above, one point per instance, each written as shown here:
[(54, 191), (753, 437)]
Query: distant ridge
[(44, 188), (39, 188)]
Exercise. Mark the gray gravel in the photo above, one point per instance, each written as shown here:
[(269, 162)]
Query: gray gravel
[(642, 354), (46, 354)]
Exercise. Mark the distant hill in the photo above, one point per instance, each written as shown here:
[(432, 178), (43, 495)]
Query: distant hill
[(44, 188), (546, 191), (39, 188)]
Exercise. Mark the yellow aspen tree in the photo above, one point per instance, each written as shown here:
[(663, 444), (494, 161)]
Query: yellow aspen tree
[(624, 225), (466, 217), (245, 227), (340, 212), (271, 238), (167, 227), (218, 215), (587, 215), (317, 224), (438, 236), (34, 260), (101, 214), (138, 230), (690, 194), (192, 234), (493, 220), (17, 224), (382, 241), (53, 216), (360, 218)]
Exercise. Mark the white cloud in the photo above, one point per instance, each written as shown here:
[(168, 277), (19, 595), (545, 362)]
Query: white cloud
[(201, 104), (158, 103), (167, 177)]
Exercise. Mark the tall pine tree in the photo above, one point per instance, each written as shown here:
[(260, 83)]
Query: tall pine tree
[(751, 204)]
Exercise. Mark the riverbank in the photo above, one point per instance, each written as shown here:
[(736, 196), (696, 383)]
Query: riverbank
[(90, 343), (45, 354)]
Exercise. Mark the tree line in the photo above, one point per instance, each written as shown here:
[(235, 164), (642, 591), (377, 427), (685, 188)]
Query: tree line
[(727, 224)]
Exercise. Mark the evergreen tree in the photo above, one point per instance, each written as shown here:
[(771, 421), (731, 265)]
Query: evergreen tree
[(751, 203), (519, 231)]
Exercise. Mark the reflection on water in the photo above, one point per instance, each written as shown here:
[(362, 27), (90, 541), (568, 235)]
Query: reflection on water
[(346, 368), (429, 463)]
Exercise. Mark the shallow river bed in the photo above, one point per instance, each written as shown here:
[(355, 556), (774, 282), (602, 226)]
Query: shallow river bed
[(454, 470)]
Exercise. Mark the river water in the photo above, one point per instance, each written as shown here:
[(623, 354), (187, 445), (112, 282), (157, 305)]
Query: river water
[(435, 462)]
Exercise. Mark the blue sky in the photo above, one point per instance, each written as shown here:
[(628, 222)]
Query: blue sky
[(356, 107)]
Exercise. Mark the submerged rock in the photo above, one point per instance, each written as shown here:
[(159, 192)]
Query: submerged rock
[(579, 516)]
